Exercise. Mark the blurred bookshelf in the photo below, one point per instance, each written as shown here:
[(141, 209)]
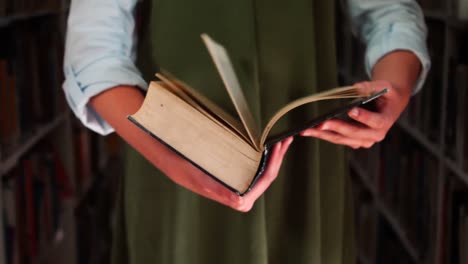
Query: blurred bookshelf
[(57, 179), (411, 189)]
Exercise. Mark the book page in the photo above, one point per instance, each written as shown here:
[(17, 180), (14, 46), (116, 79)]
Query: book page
[(337, 93), (195, 137), (203, 104), (226, 70)]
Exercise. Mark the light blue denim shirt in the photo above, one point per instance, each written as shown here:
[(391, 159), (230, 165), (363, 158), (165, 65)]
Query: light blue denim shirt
[(100, 46)]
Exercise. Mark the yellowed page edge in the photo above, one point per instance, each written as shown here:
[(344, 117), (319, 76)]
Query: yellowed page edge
[(200, 109), (205, 104), (187, 137), (336, 93), (226, 70)]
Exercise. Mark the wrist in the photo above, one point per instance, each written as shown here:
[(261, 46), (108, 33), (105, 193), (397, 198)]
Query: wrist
[(401, 68), (114, 105)]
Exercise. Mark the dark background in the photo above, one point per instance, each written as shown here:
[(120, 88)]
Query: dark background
[(59, 180)]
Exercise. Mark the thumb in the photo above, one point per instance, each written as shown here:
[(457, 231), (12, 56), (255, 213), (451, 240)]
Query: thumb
[(285, 146)]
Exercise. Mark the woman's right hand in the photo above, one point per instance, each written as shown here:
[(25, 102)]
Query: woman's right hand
[(187, 175), (114, 105)]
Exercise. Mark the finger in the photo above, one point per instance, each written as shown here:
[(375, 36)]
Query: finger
[(355, 131), (337, 138), (274, 163), (285, 146), (368, 118), (269, 174), (214, 190)]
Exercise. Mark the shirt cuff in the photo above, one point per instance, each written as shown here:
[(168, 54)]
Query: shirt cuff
[(82, 84), (399, 36)]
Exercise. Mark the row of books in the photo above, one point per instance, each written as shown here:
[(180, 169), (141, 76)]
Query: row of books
[(408, 185), (365, 217), (32, 196), (458, 225), (94, 215), (92, 154), (456, 138), (405, 179), (389, 248), (377, 240), (30, 78), (23, 7)]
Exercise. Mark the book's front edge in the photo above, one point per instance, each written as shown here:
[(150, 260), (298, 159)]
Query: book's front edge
[(260, 170), (134, 121), (318, 120)]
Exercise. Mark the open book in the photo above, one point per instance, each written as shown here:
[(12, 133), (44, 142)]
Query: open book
[(232, 151)]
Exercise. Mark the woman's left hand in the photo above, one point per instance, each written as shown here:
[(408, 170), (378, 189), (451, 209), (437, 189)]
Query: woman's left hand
[(371, 127), (401, 70)]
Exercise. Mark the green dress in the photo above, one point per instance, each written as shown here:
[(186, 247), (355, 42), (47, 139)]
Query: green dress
[(281, 50)]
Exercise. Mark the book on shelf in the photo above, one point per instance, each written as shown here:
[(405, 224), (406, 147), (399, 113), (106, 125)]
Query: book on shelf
[(463, 239), (461, 146), (389, 249), (83, 158), (365, 218), (407, 184), (231, 151), (30, 95), (458, 250), (32, 197), (94, 215)]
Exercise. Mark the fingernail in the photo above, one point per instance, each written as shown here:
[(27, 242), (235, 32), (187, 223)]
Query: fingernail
[(324, 126), (354, 112)]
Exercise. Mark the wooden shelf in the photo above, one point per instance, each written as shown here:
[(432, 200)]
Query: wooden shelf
[(87, 185), (12, 159), (397, 228), (52, 252), (419, 137), (445, 29), (434, 150), (85, 189), (457, 171), (8, 20), (422, 139), (384, 210)]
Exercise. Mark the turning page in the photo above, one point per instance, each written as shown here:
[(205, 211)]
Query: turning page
[(226, 70)]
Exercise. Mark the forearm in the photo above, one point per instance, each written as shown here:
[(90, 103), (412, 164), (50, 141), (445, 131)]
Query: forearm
[(399, 71), (114, 105), (401, 68)]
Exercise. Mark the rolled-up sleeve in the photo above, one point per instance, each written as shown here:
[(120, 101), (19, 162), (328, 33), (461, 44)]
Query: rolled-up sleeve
[(99, 55), (389, 25)]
